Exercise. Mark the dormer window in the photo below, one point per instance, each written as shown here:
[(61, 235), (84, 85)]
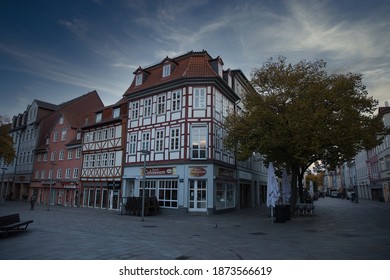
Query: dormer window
[(166, 70), (220, 69), (138, 79), (61, 120), (98, 117), (115, 113)]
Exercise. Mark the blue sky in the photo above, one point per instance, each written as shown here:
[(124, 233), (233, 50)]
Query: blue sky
[(57, 50)]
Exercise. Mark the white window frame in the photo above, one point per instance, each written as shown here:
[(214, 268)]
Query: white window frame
[(159, 141), (174, 141), (111, 132), (55, 136), (98, 117), (166, 70), (132, 144), (145, 141), (198, 135), (218, 139), (176, 100), (134, 110), (199, 98), (67, 173), (53, 156), (161, 104), (104, 159), (98, 160), (86, 161), (61, 155), (63, 134), (59, 173), (138, 79), (70, 154), (148, 107), (75, 173), (78, 153), (116, 113), (111, 159)]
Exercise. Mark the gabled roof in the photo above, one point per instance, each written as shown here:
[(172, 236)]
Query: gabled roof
[(46, 105), (75, 111), (190, 65), (107, 117)]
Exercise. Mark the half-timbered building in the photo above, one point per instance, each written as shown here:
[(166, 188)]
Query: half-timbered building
[(102, 148), (176, 127)]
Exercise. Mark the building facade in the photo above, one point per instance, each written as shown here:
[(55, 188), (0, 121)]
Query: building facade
[(175, 128), (57, 168), (25, 129), (102, 148)]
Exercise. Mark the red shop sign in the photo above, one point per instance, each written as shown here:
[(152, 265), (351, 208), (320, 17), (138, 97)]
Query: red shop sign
[(198, 171)]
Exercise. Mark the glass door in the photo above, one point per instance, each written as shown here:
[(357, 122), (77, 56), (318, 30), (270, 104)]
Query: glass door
[(104, 198), (97, 198), (113, 200), (198, 195), (91, 197)]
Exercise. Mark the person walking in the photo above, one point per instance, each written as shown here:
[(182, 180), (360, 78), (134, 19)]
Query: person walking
[(32, 201)]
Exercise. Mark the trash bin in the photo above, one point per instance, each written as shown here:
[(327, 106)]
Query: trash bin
[(280, 214)]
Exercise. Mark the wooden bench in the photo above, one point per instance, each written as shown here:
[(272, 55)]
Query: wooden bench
[(12, 223)]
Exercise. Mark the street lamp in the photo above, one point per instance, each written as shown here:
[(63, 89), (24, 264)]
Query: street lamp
[(145, 153), (51, 182), (2, 184)]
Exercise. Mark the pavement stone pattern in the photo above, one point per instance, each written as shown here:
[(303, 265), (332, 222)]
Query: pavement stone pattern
[(339, 230)]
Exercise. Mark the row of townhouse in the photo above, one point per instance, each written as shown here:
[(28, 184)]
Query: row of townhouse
[(170, 119), (369, 173)]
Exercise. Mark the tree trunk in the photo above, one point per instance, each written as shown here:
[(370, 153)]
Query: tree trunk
[(294, 189), (300, 186)]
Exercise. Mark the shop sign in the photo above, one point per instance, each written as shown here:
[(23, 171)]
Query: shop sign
[(70, 186), (159, 171), (198, 171), (114, 185), (225, 172)]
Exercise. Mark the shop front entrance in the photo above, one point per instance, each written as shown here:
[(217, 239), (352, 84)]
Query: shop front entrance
[(113, 200), (198, 196)]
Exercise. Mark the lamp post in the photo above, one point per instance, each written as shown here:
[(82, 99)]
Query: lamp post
[(145, 153), (2, 184), (51, 183)]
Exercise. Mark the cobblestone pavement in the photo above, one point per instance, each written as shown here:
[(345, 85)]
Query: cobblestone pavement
[(339, 229)]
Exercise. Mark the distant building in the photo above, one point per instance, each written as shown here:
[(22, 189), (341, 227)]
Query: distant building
[(25, 129), (384, 157), (371, 168), (176, 124)]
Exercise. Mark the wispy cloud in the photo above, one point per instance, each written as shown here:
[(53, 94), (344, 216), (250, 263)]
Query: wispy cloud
[(76, 25)]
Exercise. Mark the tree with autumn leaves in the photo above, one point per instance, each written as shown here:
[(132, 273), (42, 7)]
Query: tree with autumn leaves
[(300, 114), (7, 151)]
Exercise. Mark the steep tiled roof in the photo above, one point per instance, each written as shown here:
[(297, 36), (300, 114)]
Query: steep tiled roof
[(190, 65), (75, 111), (46, 105)]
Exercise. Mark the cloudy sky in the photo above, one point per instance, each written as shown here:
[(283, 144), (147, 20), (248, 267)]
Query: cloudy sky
[(57, 50)]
